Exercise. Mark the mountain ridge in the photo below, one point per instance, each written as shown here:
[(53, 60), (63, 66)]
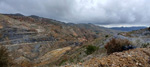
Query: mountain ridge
[(127, 29), (29, 38)]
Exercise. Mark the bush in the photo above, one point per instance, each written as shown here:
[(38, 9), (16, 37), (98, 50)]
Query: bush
[(5, 60), (107, 36), (117, 45), (90, 49), (145, 45)]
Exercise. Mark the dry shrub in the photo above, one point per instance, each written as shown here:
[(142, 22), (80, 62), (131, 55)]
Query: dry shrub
[(5, 60), (116, 45)]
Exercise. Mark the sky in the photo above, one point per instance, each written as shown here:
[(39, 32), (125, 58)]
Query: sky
[(107, 13)]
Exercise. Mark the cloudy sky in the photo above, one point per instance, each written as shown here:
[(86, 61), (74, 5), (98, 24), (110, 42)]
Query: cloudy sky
[(101, 12)]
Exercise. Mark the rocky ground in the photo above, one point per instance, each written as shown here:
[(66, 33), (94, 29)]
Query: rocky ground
[(139, 57)]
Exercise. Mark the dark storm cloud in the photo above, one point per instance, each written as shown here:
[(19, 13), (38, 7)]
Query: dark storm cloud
[(104, 12)]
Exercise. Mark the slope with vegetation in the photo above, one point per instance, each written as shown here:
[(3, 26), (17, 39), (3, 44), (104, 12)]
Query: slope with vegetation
[(42, 42), (139, 57), (119, 54), (31, 38)]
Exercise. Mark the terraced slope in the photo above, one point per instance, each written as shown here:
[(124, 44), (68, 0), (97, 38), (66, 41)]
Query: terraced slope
[(30, 38)]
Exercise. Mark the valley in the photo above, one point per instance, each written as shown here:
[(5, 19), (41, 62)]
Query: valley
[(42, 42)]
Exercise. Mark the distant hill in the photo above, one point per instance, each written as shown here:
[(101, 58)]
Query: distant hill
[(138, 33), (128, 28)]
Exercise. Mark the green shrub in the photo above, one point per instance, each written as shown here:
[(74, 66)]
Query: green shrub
[(62, 62), (116, 45), (5, 60), (145, 45), (90, 49), (106, 36)]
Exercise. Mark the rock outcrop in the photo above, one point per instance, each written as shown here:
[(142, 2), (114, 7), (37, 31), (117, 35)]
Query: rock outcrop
[(139, 57)]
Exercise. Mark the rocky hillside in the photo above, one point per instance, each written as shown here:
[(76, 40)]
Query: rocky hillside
[(138, 33), (139, 37), (42, 42), (36, 41), (139, 57)]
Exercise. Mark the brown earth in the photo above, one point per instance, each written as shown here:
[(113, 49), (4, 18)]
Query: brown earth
[(139, 57), (52, 56)]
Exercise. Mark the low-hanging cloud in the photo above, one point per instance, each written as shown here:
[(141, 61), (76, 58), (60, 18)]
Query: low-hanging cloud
[(103, 12)]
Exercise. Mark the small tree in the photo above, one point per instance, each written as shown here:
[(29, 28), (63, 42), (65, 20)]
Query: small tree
[(90, 49)]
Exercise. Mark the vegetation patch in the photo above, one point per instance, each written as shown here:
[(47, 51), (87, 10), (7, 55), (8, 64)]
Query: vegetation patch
[(90, 49), (118, 45), (145, 45), (62, 62)]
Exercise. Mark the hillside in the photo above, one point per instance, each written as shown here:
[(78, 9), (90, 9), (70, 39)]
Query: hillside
[(127, 29), (136, 33), (33, 40), (42, 42), (139, 57)]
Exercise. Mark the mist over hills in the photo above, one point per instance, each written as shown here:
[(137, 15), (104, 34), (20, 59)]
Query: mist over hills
[(127, 29)]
